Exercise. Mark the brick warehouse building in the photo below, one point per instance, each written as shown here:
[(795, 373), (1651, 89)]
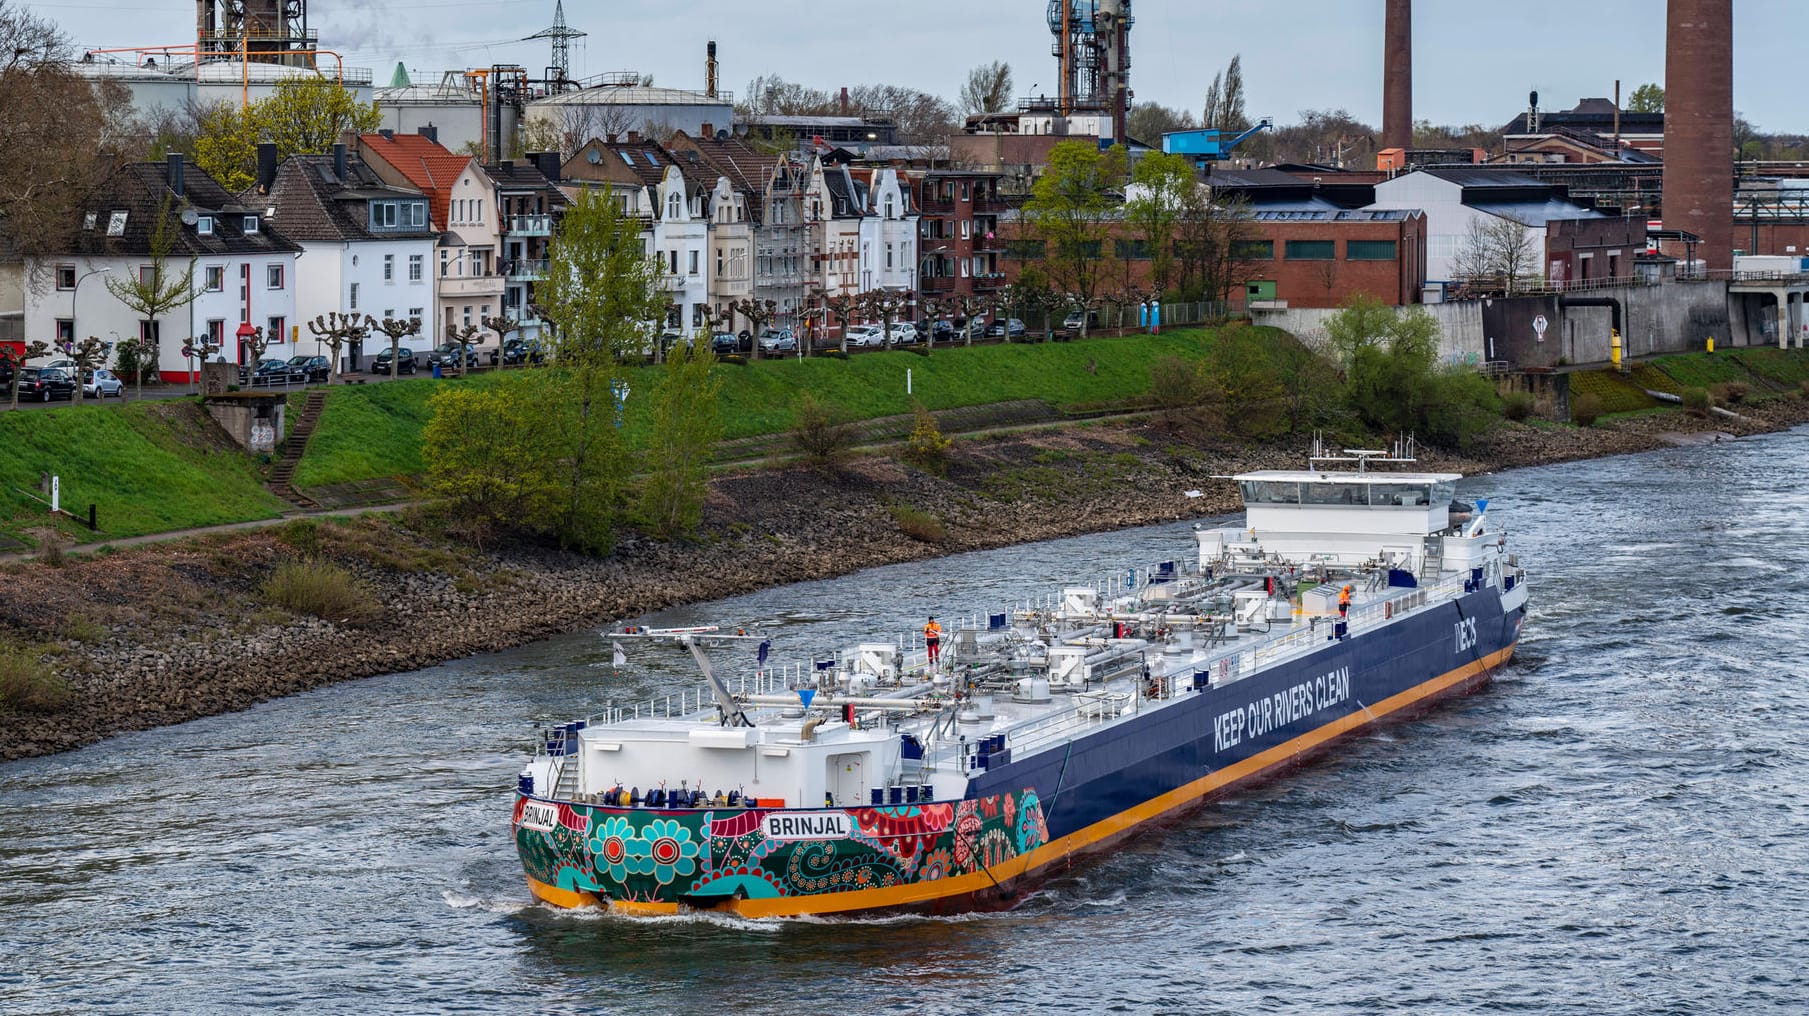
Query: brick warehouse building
[(1306, 258)]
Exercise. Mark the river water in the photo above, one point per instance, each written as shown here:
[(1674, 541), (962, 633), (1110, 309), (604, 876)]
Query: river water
[(1617, 826)]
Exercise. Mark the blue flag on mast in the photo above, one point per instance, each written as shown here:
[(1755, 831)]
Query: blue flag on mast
[(766, 646)]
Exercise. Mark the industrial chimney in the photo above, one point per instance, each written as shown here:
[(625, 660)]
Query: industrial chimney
[(1397, 75), (1699, 125), (710, 71)]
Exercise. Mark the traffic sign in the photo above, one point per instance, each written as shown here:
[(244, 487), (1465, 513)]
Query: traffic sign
[(1540, 325)]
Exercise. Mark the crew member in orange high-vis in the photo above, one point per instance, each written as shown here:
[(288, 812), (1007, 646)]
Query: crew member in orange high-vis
[(932, 640), (1344, 601)]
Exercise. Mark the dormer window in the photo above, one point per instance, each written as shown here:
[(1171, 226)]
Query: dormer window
[(204, 225), (891, 211), (673, 203), (251, 225), (116, 223), (88, 220)]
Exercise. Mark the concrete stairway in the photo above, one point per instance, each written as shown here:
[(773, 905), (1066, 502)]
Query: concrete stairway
[(284, 470)]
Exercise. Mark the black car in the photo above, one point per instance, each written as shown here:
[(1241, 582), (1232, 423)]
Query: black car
[(6, 374), (267, 373), (46, 383), (405, 362), (310, 368), (447, 356), (518, 351)]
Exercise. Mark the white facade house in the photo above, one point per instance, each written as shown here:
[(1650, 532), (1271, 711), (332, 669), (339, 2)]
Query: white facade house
[(888, 234), (681, 241), (245, 271), (366, 246), (1454, 198), (833, 205), (731, 247)]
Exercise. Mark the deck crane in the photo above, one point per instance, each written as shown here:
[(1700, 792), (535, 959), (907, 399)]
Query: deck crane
[(1210, 144)]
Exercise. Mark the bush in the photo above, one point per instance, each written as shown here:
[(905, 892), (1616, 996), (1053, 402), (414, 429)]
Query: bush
[(1585, 409), (919, 525), (1730, 393), (822, 434), (1697, 401), (27, 685), (322, 589), (301, 534), (927, 448), (1517, 406)]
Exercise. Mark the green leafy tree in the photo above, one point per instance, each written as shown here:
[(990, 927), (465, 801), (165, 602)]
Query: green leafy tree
[(165, 287), (603, 295), (1647, 98), (927, 447), (1393, 381), (486, 456), (1164, 184), (1073, 209), (685, 425), (1242, 385), (306, 115)]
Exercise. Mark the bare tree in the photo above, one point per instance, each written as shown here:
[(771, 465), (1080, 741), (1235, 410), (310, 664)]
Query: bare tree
[(988, 89), (17, 358), (971, 307), (1225, 99), (255, 342), (758, 312), (842, 308), (886, 305), (503, 327), (1496, 253), (155, 293), (336, 330)]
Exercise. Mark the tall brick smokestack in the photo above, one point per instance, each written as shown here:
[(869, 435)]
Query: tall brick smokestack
[(1397, 76), (1699, 125)]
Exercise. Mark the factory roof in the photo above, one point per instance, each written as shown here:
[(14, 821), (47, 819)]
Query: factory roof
[(1334, 215), (631, 95)]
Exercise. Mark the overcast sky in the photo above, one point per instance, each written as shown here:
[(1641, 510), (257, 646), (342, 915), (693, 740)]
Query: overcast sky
[(1475, 62)]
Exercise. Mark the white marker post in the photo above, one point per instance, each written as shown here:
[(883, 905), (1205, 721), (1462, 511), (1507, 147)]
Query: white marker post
[(907, 380), (56, 493)]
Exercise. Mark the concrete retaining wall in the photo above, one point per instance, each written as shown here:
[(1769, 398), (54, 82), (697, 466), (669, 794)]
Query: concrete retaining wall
[(1459, 327)]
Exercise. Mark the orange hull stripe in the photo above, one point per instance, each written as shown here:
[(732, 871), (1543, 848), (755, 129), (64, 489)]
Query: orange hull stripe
[(1065, 848)]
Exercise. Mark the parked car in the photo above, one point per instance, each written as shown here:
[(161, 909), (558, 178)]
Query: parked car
[(1079, 319), (724, 343), (310, 368), (266, 373), (446, 355), (405, 362), (904, 333), (518, 351), (102, 384), (942, 329), (1010, 327), (61, 363), (778, 340), (6, 375), (862, 336), (46, 383)]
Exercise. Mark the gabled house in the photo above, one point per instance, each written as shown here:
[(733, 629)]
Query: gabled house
[(737, 208), (529, 205), (245, 274), (833, 210), (888, 231), (469, 282), (364, 243)]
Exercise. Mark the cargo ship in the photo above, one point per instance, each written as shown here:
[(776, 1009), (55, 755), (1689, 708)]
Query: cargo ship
[(1357, 592)]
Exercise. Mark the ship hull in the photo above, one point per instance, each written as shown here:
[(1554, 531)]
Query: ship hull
[(1028, 820)]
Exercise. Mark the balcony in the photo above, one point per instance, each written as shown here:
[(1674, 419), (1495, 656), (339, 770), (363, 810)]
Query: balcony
[(525, 270), (991, 206), (989, 281), (470, 285), (937, 206), (939, 284), (531, 225)]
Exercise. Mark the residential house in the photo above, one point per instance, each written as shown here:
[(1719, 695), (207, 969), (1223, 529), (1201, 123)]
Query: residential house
[(529, 208), (742, 240), (888, 231), (462, 205), (364, 243), (834, 205), (244, 267), (959, 233)]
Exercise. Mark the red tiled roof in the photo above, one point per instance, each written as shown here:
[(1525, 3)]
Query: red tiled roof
[(426, 164)]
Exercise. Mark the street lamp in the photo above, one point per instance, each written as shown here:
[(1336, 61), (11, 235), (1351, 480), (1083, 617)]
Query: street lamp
[(75, 295)]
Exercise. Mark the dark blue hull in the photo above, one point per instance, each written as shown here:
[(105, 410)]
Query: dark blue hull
[(1155, 764)]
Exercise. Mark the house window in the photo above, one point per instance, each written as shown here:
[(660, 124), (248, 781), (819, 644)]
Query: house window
[(204, 225), (354, 296), (721, 264), (251, 225), (383, 214), (1254, 250), (216, 333), (65, 276), (1369, 250), (65, 331), (445, 264), (965, 226), (1312, 250), (88, 220), (416, 267), (273, 276), (888, 255), (389, 268), (1132, 250), (274, 329), (216, 279), (891, 209), (148, 332), (116, 224), (693, 262), (417, 214), (417, 313)]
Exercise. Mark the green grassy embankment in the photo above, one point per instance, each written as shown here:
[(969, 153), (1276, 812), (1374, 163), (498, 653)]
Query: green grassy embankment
[(371, 431), (148, 467), (1763, 372)]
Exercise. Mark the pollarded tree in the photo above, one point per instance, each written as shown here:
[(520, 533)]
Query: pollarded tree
[(255, 342), (17, 358), (503, 327), (758, 312), (971, 307), (841, 307), (886, 305), (397, 329), (88, 354), (463, 334), (335, 330)]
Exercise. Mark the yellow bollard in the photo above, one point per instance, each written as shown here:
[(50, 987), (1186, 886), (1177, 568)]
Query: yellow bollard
[(1711, 343), (1614, 348)]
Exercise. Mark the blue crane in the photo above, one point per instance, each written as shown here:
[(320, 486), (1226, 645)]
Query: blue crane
[(1210, 144)]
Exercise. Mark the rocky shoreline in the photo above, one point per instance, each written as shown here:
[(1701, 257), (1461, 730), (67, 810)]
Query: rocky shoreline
[(147, 637)]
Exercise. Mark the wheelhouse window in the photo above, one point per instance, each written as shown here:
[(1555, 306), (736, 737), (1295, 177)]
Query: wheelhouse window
[(1271, 492)]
